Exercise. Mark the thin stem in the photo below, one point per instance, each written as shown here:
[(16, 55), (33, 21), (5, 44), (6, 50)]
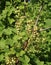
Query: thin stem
[(36, 22), (45, 29), (11, 1)]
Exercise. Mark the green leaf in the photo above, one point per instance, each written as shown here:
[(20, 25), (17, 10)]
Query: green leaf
[(2, 44), (22, 53), (12, 51), (7, 31), (27, 59), (9, 41), (11, 10), (39, 62), (11, 20), (7, 3), (49, 4), (48, 22), (1, 57)]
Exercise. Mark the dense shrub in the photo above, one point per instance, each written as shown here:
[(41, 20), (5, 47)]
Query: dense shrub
[(25, 32)]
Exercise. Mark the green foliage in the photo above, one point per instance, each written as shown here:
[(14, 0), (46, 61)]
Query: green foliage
[(25, 36)]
